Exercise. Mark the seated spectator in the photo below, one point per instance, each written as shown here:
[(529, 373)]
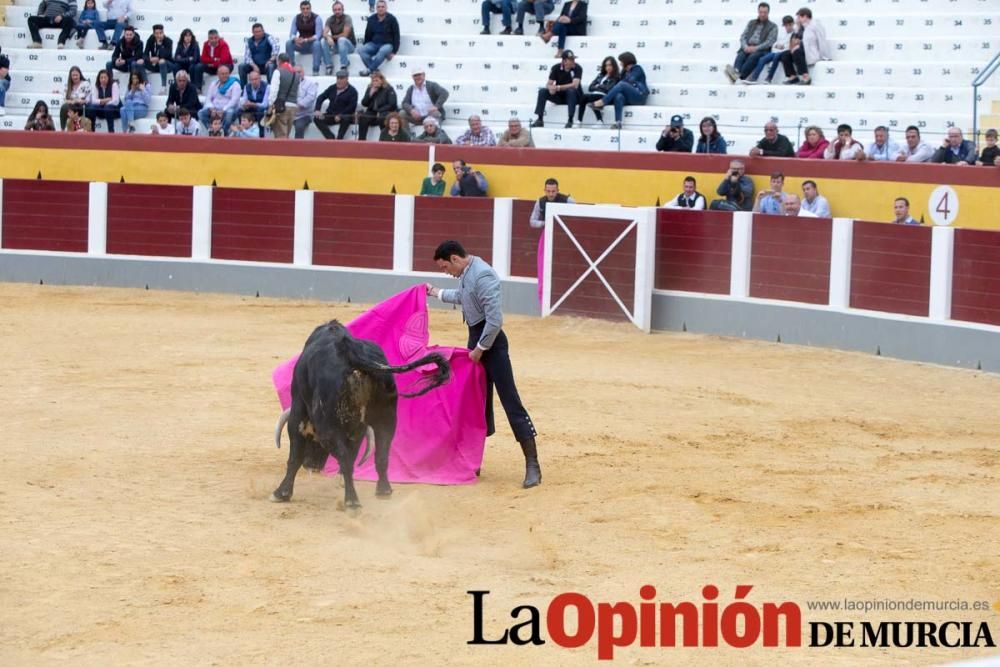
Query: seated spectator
[(710, 141), (468, 181), (883, 149), (551, 196), (769, 202), (4, 82), (812, 47), (844, 147), (631, 90), (755, 42), (88, 18), (515, 136), (306, 36), (118, 13), (605, 80), (955, 149), (159, 53), (306, 102), (815, 144), (736, 190), (914, 150), (187, 57), (379, 101), (676, 138), (39, 119), (215, 127), (163, 127), (214, 54), (562, 87), (572, 21), (260, 55), (135, 103), (338, 34), (342, 100), (77, 92), (381, 39), (791, 206), (504, 7), (76, 121), (247, 128), (433, 185), (540, 9), (394, 130), (182, 95), (104, 101), (58, 14), (223, 99), (424, 99), (901, 210), (253, 100), (186, 125), (283, 98), (433, 134), (813, 201), (772, 59), (773, 144), (477, 134), (988, 158), (128, 56), (689, 197)]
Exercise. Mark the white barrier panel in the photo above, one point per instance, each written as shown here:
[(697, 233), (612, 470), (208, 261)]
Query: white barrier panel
[(402, 244), (503, 229), (739, 276), (97, 219), (942, 261), (841, 249), (302, 253), (201, 222)]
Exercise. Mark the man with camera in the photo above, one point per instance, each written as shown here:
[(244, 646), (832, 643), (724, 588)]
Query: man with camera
[(468, 182), (736, 190), (676, 138)]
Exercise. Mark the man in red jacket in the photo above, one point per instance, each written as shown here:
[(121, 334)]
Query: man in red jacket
[(214, 53)]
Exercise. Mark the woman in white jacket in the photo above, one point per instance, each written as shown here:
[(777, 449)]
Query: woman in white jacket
[(806, 49)]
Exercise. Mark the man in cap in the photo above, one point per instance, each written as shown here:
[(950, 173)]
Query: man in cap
[(563, 87), (676, 138), (423, 99), (342, 100)]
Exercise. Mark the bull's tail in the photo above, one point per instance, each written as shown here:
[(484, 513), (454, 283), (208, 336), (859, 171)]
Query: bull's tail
[(282, 420), (440, 376)]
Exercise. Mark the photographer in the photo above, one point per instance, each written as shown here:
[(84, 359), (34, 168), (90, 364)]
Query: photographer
[(468, 182), (676, 138), (770, 201), (736, 190)]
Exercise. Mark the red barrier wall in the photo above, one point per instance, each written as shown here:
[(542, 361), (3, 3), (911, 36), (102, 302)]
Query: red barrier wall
[(591, 298), (790, 259), (153, 220), (45, 215), (891, 268), (975, 294), (524, 241), (353, 230), (693, 250), (253, 225), (468, 220)]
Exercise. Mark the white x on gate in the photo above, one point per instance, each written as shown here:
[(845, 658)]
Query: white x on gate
[(643, 220)]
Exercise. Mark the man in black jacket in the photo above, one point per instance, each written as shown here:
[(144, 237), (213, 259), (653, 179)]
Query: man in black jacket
[(676, 138), (159, 53), (381, 39), (127, 56), (182, 95), (343, 98), (773, 144)]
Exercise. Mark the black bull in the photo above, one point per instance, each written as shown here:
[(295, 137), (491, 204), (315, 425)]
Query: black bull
[(343, 388)]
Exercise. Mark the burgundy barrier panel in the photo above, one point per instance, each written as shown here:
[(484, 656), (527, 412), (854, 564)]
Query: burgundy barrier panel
[(591, 298), (45, 215), (524, 241), (693, 250), (891, 268), (353, 230), (975, 289), (468, 220), (152, 220), (253, 225), (790, 258)]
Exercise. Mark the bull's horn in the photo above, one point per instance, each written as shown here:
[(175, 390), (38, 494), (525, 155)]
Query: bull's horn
[(282, 420), (370, 437)]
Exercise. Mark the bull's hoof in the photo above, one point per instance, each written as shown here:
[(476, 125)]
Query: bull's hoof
[(383, 491), (278, 498), (352, 505)]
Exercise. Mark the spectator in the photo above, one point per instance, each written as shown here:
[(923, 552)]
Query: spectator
[(247, 128), (812, 48), (215, 127), (135, 103), (914, 150), (773, 144), (424, 99), (844, 146), (563, 87), (736, 190), (88, 18), (772, 59), (260, 55), (76, 121), (342, 99), (515, 136), (676, 138), (882, 149), (813, 201), (505, 7), (214, 54), (39, 119), (477, 134), (988, 158), (254, 99), (338, 34), (158, 54), (394, 130), (222, 100), (187, 57), (4, 82), (433, 185), (815, 144), (118, 13), (306, 36), (182, 95), (540, 9), (379, 101), (103, 101), (58, 14), (756, 41), (433, 134), (77, 92), (689, 197), (769, 201), (710, 141), (606, 78), (955, 149), (572, 21), (283, 96), (631, 90), (186, 125), (901, 209), (468, 182), (381, 39), (163, 127), (127, 56), (791, 206), (306, 102), (537, 221)]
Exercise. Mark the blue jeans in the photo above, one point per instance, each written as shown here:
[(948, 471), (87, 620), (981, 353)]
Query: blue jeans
[(129, 67), (107, 112), (373, 55), (561, 30), (505, 7), (131, 111), (623, 93), (745, 62), (314, 47), (4, 85), (539, 7), (116, 36), (344, 49), (773, 59)]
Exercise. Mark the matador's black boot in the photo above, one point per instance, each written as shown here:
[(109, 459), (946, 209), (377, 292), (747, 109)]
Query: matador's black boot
[(532, 471)]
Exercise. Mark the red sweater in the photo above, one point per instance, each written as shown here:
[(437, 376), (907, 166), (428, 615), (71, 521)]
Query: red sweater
[(805, 150), (213, 57)]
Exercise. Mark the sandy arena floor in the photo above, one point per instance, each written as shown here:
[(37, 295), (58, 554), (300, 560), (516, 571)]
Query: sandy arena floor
[(138, 458)]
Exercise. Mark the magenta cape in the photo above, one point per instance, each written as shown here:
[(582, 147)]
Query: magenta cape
[(440, 436)]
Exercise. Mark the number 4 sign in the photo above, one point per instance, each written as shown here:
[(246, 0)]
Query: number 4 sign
[(943, 205)]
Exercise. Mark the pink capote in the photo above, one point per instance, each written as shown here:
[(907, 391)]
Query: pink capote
[(440, 436)]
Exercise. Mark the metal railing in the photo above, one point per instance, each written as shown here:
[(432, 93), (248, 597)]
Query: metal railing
[(984, 75)]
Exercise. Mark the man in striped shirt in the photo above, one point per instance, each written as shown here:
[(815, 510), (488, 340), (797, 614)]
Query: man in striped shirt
[(59, 14)]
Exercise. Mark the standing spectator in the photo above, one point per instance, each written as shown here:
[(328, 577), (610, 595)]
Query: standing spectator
[(914, 150), (772, 59), (378, 102), (306, 102), (477, 134), (631, 90), (710, 141), (306, 36), (433, 134), (342, 100), (955, 149), (127, 56), (88, 18), (791, 206), (756, 41), (381, 39), (214, 54), (537, 221), (186, 58), (469, 182), (158, 54), (58, 14), (76, 121), (689, 197), (882, 149), (135, 103), (182, 95), (769, 202), (186, 125), (813, 201), (5, 81), (222, 100), (515, 136), (394, 130), (815, 144), (563, 87), (424, 99), (988, 158), (338, 34), (254, 98), (844, 147), (77, 92), (572, 21), (104, 100), (736, 190), (246, 129), (433, 185), (675, 138), (812, 48), (540, 9), (163, 127), (901, 211), (283, 95), (260, 55), (505, 7), (118, 13), (773, 144), (606, 78), (39, 119)]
